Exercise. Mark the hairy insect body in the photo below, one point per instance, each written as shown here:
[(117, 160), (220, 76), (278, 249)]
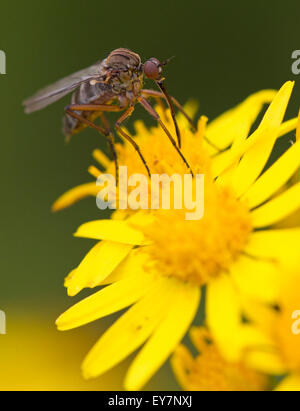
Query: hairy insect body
[(86, 94), (111, 85), (121, 83)]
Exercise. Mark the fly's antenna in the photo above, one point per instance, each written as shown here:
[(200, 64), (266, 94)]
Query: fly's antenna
[(165, 62)]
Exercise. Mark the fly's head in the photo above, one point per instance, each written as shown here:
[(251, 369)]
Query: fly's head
[(153, 69)]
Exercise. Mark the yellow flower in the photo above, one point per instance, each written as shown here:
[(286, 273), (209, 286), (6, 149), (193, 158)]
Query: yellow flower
[(276, 348), (209, 371), (156, 263), (293, 219)]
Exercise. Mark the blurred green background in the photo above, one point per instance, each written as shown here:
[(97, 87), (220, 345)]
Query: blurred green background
[(224, 51)]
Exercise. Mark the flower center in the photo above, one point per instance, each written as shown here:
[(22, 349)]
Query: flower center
[(200, 250), (160, 155), (191, 250)]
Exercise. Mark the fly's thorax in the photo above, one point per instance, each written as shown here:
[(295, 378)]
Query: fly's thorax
[(124, 58), (126, 81), (124, 72)]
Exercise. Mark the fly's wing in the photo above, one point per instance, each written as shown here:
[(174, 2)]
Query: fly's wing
[(56, 91)]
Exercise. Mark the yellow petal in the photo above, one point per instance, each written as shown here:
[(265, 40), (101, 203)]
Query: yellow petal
[(191, 108), (275, 177), (111, 230), (226, 160), (274, 114), (223, 315), (222, 162), (269, 129), (256, 278), (262, 315), (69, 277), (279, 245), (140, 219), (181, 362), (109, 300), (298, 128), (277, 209), (133, 264), (288, 126), (74, 195), (242, 135), (94, 171), (130, 331), (141, 129), (182, 310), (226, 177), (267, 361), (236, 122), (290, 383), (256, 157), (102, 159), (101, 260)]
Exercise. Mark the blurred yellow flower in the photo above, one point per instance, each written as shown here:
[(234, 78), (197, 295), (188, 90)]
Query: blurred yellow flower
[(277, 350), (209, 371), (34, 358), (157, 262)]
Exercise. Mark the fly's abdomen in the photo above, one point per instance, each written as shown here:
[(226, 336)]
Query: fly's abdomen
[(85, 94)]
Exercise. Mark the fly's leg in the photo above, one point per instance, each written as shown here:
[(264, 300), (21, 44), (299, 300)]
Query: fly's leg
[(164, 94), (124, 116), (94, 107), (155, 115), (105, 122), (111, 142), (105, 131), (159, 95)]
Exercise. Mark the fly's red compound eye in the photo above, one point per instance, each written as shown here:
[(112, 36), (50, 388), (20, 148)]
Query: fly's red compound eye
[(152, 69)]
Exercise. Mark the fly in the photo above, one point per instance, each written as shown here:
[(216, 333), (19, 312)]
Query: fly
[(114, 84)]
